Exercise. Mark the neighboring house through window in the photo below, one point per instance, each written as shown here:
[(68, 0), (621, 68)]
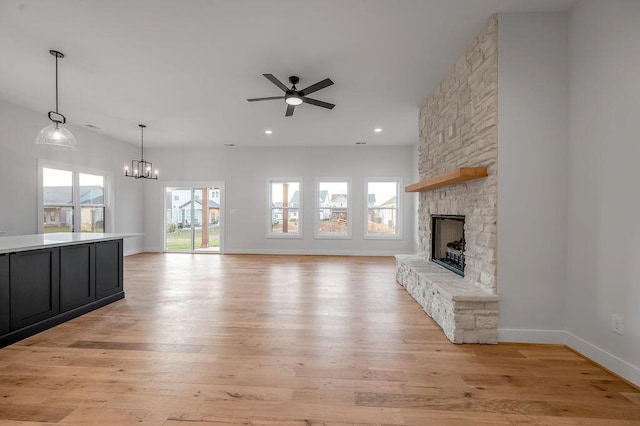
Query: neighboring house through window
[(284, 207), (382, 208), (72, 200), (333, 208)]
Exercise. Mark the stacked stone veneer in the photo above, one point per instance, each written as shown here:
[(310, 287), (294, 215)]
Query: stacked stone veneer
[(458, 128), (467, 314)]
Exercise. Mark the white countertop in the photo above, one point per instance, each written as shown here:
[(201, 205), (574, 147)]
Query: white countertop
[(14, 243)]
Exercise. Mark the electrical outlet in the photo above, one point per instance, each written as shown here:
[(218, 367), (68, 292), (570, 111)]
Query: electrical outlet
[(617, 324)]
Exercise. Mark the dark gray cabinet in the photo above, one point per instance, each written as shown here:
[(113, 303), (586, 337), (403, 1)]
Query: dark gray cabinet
[(34, 286), (5, 302), (42, 288), (108, 268), (77, 276)]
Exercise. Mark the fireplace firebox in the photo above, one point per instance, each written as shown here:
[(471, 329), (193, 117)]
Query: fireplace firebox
[(447, 242)]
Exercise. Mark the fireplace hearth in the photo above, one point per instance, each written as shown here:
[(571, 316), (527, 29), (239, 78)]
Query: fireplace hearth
[(447, 242)]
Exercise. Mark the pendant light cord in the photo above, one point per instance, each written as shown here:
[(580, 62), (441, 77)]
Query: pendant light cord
[(142, 143), (56, 83), (58, 118)]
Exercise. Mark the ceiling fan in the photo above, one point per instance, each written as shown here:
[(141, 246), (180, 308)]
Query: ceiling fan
[(293, 96)]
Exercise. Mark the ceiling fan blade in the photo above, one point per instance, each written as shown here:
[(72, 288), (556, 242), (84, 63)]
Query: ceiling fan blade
[(290, 109), (277, 82), (318, 103), (315, 87), (266, 99)]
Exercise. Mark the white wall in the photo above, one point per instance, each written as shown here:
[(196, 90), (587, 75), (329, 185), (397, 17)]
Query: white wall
[(532, 176), (568, 148), (19, 172), (245, 171), (604, 200), (414, 197)]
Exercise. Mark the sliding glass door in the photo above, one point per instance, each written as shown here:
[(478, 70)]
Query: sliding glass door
[(193, 219)]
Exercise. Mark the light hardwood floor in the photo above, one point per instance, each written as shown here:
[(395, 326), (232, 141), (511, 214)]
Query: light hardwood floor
[(288, 340)]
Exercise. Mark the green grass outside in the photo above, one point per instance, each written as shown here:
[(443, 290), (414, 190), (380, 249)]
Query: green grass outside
[(53, 229), (181, 239)]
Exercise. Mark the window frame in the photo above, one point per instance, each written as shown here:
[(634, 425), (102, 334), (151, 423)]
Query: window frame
[(316, 210), (365, 221), (76, 205), (269, 208)]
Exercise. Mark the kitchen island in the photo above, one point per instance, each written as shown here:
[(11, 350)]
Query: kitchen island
[(47, 279)]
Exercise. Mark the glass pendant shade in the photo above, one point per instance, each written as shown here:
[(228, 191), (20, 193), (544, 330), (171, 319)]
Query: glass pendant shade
[(56, 136)]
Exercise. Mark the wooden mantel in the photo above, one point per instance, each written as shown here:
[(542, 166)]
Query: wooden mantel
[(460, 175)]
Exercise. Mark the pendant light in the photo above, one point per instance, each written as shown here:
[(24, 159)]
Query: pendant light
[(141, 169), (55, 135)]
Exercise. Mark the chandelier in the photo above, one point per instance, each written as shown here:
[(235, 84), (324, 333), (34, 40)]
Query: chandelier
[(141, 169)]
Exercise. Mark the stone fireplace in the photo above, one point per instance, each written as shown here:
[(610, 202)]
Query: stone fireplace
[(457, 133)]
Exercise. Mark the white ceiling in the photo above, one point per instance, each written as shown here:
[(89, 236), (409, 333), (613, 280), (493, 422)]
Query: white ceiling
[(186, 68)]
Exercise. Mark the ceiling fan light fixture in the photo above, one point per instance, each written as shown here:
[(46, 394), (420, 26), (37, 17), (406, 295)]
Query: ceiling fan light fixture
[(293, 99)]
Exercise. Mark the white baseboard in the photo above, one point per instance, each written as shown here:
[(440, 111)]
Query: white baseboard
[(556, 337), (300, 252), (133, 251), (598, 355), (315, 252), (609, 361)]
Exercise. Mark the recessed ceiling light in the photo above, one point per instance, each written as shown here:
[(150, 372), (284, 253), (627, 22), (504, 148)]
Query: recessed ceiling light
[(377, 130), (268, 132), (229, 144)]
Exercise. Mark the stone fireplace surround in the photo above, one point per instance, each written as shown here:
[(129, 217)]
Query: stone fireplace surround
[(458, 128), (465, 313)]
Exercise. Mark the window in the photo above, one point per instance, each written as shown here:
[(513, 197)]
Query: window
[(72, 201), (333, 211), (382, 208), (91, 197), (192, 218), (57, 191), (285, 208)]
